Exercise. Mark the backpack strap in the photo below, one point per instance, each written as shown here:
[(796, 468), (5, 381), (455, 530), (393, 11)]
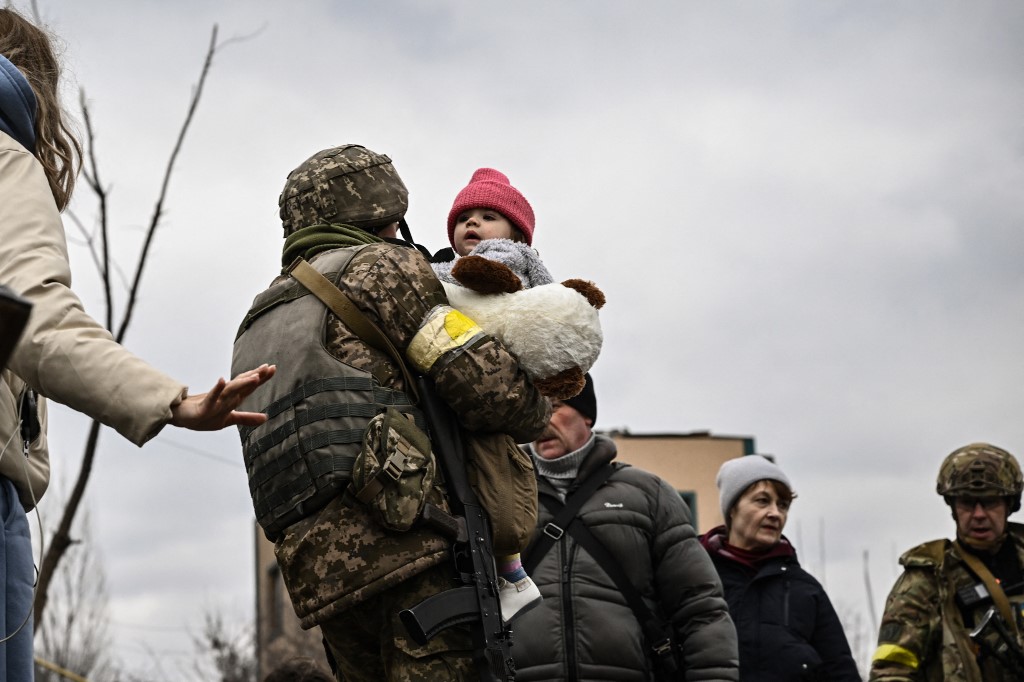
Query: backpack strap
[(564, 515), (656, 631), (995, 590), (342, 306)]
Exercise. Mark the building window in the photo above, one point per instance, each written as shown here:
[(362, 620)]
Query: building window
[(690, 498)]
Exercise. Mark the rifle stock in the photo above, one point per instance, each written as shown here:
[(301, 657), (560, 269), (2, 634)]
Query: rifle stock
[(477, 599)]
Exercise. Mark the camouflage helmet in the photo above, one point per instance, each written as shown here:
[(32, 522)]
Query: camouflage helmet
[(980, 470), (348, 184)]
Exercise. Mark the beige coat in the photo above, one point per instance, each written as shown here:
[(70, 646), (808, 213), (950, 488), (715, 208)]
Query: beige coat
[(63, 354)]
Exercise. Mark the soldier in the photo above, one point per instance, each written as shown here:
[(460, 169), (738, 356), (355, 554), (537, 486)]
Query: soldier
[(344, 570), (955, 613)]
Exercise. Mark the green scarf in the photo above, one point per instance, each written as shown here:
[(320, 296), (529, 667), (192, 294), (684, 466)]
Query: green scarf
[(309, 241)]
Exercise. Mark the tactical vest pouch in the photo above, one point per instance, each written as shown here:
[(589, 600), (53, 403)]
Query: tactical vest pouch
[(395, 471), (502, 477)]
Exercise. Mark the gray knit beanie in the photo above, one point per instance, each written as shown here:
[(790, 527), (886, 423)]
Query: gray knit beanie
[(736, 475)]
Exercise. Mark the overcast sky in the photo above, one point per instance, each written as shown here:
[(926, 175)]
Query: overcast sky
[(806, 216)]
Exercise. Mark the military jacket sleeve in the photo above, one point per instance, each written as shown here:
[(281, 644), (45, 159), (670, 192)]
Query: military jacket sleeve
[(478, 378), (910, 627)]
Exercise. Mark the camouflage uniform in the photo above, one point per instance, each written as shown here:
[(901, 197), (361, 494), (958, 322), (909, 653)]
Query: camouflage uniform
[(356, 637), (923, 635), (339, 557), (344, 572), (922, 618)]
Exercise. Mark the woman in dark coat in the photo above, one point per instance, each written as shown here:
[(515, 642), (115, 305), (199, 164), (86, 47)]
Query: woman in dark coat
[(785, 623)]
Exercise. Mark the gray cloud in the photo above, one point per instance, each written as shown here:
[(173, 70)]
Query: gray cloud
[(806, 218)]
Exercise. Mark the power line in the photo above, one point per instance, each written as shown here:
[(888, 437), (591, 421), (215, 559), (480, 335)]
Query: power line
[(233, 463)]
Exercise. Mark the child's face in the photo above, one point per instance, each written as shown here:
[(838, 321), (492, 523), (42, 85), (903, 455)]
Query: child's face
[(477, 224)]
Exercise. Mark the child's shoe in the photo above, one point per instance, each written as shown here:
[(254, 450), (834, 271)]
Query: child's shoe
[(517, 598)]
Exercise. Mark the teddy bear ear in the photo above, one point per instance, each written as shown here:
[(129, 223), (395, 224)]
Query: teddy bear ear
[(485, 276), (562, 386), (589, 290)]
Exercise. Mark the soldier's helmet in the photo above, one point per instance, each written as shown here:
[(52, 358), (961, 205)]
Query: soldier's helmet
[(348, 184), (980, 470)]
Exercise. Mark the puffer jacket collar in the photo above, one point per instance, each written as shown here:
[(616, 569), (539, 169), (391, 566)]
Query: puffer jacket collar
[(603, 452), (17, 105)]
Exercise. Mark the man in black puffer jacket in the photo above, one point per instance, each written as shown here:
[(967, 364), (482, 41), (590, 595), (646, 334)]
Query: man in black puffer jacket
[(584, 629)]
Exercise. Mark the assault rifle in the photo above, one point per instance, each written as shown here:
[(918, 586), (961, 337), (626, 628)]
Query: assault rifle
[(476, 600), (14, 312), (992, 634), (995, 639)]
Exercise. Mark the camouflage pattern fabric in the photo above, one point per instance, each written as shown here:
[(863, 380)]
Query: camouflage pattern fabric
[(980, 470), (339, 557), (370, 644), (923, 635), (394, 493), (347, 184)]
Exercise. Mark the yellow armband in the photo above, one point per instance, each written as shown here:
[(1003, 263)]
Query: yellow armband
[(444, 330), (892, 653)]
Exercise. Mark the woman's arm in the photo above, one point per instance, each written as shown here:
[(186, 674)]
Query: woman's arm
[(64, 353)]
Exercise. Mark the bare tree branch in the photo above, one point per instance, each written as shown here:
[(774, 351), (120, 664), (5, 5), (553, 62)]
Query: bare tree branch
[(871, 594), (62, 540), (96, 185), (74, 638), (88, 239), (241, 38), (158, 209)]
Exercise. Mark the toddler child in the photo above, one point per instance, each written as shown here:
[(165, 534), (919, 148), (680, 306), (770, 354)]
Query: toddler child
[(492, 219)]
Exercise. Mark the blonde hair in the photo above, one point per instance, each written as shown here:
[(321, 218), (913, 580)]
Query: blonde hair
[(30, 49)]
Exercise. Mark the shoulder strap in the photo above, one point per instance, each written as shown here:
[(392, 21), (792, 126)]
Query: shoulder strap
[(564, 515), (342, 306), (995, 590), (656, 631)]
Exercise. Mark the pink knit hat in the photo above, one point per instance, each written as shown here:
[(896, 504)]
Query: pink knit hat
[(489, 188)]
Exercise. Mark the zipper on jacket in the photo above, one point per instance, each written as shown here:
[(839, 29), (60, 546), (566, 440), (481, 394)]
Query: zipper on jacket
[(568, 632)]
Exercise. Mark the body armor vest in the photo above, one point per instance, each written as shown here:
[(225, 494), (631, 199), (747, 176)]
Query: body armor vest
[(317, 406)]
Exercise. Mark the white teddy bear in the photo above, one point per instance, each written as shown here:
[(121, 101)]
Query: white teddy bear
[(552, 328)]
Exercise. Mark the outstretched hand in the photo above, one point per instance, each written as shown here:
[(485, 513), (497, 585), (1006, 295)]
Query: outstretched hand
[(215, 410)]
